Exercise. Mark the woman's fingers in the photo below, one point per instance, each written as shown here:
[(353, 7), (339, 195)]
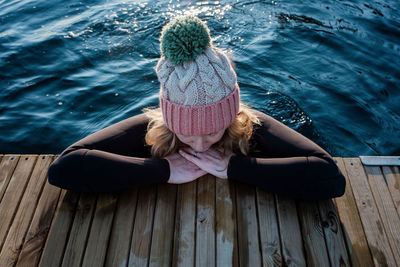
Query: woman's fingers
[(213, 152), (189, 156), (207, 163), (183, 170), (211, 161), (203, 161), (193, 155)]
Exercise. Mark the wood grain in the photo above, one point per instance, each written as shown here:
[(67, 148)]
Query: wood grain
[(163, 228), (59, 230), (386, 208), (143, 228), (39, 228), (249, 245), (269, 229), (185, 226), (80, 230), (96, 246), (226, 231), (12, 196), (118, 249), (392, 177), (7, 167), (335, 243), (291, 240), (16, 235), (352, 227), (372, 223), (312, 233), (205, 222)]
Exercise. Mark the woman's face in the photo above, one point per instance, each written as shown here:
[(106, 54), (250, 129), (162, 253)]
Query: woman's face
[(201, 143)]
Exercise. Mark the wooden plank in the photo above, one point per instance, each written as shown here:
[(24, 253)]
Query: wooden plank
[(11, 199), (58, 235), (352, 227), (392, 177), (80, 230), (377, 240), (386, 208), (39, 228), (118, 250), (269, 229), (163, 228), (249, 246), (7, 167), (292, 245), (16, 235), (184, 236), (226, 232), (205, 222), (142, 231), (96, 246), (313, 236), (333, 234)]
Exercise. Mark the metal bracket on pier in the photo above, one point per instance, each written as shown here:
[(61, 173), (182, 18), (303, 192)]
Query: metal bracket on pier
[(380, 161)]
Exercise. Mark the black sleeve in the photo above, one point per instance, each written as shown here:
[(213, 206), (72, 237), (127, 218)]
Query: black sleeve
[(111, 159), (285, 162)]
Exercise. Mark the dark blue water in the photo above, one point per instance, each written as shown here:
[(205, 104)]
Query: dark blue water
[(328, 69)]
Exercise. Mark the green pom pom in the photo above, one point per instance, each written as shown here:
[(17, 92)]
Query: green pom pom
[(184, 38)]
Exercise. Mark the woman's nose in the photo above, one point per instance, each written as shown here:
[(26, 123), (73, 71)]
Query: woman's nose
[(200, 145)]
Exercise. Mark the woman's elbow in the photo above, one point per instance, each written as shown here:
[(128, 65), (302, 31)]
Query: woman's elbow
[(339, 185), (337, 178), (56, 173), (64, 171), (327, 174)]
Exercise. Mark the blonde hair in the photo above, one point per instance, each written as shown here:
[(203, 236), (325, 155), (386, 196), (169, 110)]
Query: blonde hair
[(164, 142)]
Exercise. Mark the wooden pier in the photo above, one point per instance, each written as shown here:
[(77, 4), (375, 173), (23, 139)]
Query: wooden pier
[(209, 222)]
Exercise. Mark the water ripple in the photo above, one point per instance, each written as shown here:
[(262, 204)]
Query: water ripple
[(329, 70)]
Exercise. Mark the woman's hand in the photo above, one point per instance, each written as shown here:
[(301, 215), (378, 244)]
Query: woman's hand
[(212, 161), (182, 170)]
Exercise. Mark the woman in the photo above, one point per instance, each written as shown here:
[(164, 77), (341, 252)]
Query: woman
[(201, 127)]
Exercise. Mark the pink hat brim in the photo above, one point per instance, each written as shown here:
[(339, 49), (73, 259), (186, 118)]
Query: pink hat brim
[(200, 120)]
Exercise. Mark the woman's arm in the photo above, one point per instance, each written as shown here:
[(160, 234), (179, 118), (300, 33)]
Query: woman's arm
[(110, 159), (288, 164)]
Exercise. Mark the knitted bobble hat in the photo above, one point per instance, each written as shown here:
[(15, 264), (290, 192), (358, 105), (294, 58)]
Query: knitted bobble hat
[(198, 87)]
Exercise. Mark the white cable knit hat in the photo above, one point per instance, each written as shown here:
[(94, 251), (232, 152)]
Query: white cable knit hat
[(199, 92)]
